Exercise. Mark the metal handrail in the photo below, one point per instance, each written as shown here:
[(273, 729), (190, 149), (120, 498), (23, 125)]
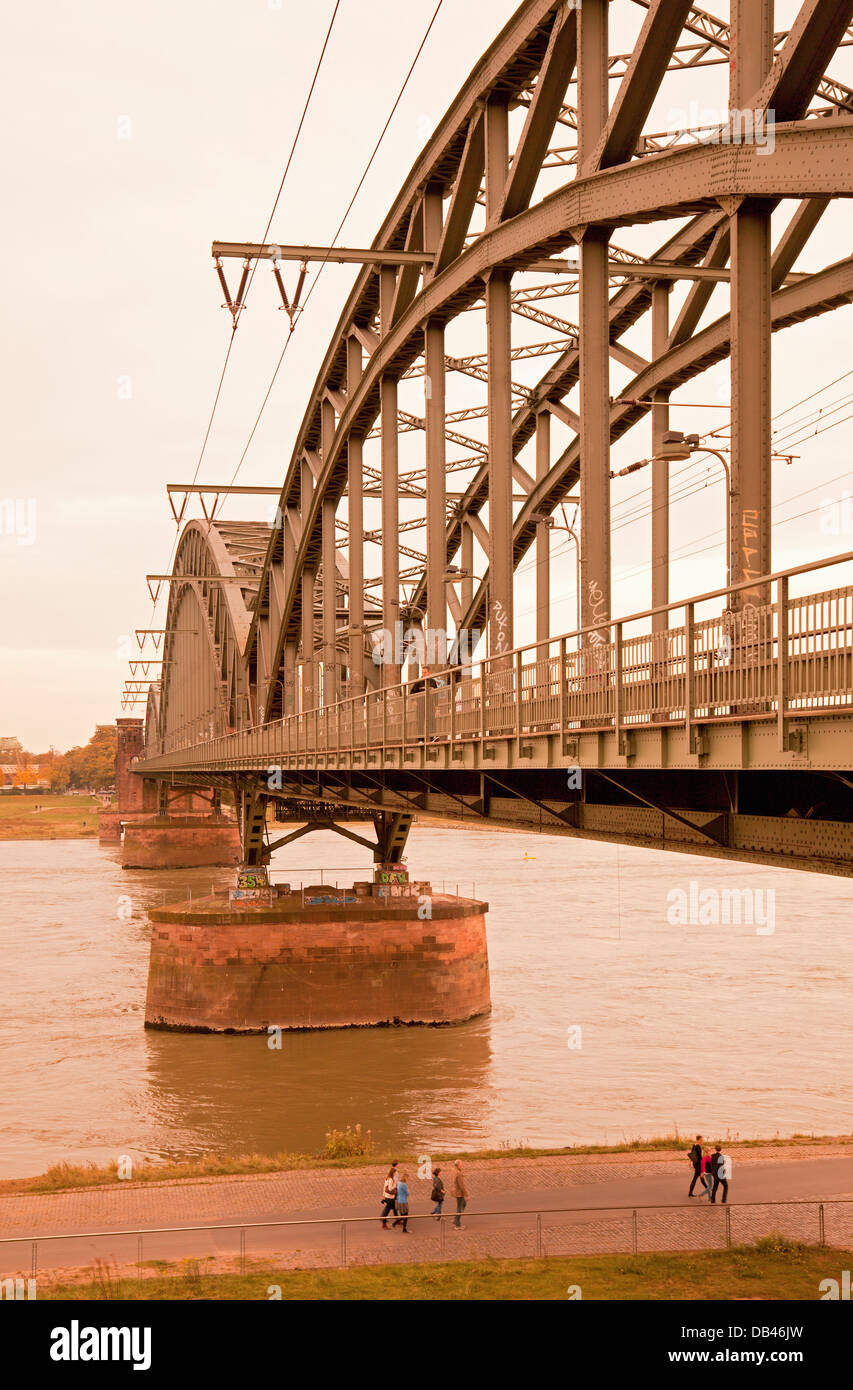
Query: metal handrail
[(423, 1216), (507, 663)]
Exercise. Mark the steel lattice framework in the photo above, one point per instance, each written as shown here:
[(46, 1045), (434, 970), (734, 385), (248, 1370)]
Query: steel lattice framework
[(511, 212)]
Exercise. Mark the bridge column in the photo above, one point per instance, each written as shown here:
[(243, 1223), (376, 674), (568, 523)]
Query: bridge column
[(252, 805), (543, 532), (290, 679), (330, 587), (749, 504), (498, 346), (392, 832), (390, 486), (436, 475), (594, 334), (355, 521), (309, 664), (660, 466), (436, 499)]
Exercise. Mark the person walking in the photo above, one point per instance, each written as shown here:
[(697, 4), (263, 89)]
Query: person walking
[(722, 1168), (460, 1192), (403, 1202), (437, 1194), (389, 1196), (707, 1174), (695, 1156)]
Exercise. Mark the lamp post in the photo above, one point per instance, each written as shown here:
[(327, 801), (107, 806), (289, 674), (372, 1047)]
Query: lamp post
[(541, 518), (678, 446)]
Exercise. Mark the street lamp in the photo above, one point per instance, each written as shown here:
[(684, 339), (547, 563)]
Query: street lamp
[(677, 447), (545, 520)]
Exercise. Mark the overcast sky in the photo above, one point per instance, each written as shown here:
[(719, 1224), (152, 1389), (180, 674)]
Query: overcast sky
[(137, 134)]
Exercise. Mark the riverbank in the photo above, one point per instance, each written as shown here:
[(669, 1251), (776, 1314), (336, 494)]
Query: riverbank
[(57, 817), (66, 1177), (522, 1207)]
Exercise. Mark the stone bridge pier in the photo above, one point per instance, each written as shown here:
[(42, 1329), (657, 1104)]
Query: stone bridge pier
[(135, 796), (160, 826)]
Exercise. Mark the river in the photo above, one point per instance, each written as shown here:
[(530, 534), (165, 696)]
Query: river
[(609, 1021)]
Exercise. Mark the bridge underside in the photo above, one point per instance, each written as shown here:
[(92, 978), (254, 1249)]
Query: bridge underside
[(801, 820)]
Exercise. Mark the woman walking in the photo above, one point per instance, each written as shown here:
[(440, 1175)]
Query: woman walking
[(403, 1202), (437, 1194), (707, 1174), (389, 1196)]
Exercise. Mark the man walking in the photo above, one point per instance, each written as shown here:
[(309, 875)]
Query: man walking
[(721, 1170), (695, 1156), (460, 1192)]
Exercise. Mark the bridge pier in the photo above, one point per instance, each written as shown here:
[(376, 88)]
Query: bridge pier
[(180, 842), (365, 956), (135, 796), (260, 955)]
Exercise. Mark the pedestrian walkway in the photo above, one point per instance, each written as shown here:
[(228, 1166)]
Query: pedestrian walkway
[(518, 1187)]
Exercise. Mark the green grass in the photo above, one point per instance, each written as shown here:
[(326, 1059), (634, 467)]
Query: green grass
[(63, 817), (62, 1177), (772, 1269)]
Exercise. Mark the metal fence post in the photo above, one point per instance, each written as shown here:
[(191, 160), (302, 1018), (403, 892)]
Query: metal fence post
[(728, 1226), (442, 1227), (563, 695), (242, 1250), (343, 1244), (689, 676), (634, 1241), (617, 691), (139, 1255), (35, 1259), (782, 662), (822, 1225), (539, 1234)]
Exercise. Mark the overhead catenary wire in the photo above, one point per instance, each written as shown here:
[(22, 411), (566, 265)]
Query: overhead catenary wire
[(245, 295), (324, 261)]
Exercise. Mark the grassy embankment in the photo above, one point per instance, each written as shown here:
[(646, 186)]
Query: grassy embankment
[(772, 1269), (67, 1176), (58, 817)]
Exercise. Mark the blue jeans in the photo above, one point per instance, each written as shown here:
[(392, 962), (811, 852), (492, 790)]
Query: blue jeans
[(436, 1211), (461, 1204)]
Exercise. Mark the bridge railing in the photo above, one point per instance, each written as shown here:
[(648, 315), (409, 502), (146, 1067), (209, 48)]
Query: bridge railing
[(782, 658)]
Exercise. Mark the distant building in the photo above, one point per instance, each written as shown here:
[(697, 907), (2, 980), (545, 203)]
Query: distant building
[(27, 778), (9, 748)]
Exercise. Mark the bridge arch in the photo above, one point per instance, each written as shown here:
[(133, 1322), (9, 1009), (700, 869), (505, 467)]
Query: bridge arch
[(205, 687), (480, 204)]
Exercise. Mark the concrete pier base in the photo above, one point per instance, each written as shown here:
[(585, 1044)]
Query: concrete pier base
[(338, 963), (180, 842)]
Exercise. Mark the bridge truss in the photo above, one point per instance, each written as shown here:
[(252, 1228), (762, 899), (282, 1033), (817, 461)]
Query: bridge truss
[(508, 227)]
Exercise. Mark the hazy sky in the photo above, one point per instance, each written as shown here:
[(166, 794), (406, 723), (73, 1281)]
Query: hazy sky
[(137, 134)]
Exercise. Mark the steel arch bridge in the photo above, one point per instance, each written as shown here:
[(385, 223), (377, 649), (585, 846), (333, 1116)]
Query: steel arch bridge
[(683, 722)]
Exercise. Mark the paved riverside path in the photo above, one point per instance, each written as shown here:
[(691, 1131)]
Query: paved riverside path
[(582, 1184)]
